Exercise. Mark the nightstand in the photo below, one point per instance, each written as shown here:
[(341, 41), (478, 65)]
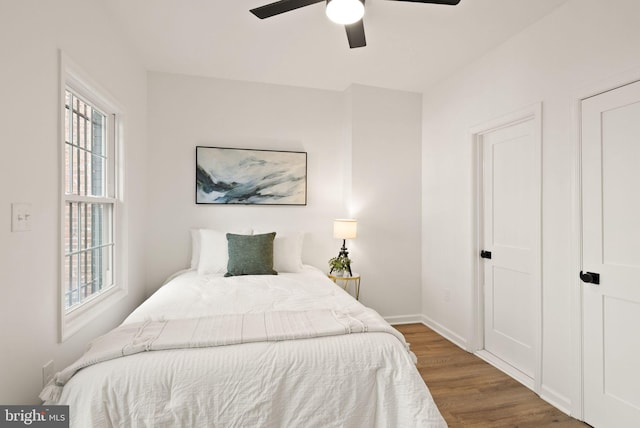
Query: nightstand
[(344, 282)]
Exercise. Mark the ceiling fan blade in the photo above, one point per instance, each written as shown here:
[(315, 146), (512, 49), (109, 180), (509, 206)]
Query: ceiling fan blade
[(355, 34), (281, 6), (448, 2)]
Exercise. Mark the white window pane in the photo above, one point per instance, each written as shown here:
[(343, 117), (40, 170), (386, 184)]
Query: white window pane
[(89, 250), (85, 159), (98, 165), (72, 286), (71, 225)]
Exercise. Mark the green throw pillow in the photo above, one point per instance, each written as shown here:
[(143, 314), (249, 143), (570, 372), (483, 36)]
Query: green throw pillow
[(250, 254)]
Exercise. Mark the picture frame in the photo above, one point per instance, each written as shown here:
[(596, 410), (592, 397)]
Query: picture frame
[(232, 176)]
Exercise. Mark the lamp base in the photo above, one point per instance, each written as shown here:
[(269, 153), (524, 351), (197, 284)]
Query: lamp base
[(343, 253)]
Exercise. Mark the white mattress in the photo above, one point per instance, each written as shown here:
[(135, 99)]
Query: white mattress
[(356, 380)]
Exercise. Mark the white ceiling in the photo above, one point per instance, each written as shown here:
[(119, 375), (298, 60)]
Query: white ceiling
[(410, 46)]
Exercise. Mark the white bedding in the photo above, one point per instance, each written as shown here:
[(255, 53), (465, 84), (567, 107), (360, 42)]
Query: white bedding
[(354, 380)]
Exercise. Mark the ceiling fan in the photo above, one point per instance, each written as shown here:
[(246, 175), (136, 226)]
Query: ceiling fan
[(346, 12)]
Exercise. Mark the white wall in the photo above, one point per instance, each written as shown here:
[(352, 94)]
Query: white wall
[(385, 188), (31, 32), (185, 112), (578, 45)]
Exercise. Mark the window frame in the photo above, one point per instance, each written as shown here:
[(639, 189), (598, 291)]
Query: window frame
[(73, 319)]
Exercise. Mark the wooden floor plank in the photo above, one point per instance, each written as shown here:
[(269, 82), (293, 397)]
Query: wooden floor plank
[(472, 393)]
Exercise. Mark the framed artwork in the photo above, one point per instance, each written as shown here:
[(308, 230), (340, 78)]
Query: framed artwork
[(250, 177)]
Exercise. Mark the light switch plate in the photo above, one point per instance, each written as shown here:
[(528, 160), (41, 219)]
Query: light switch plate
[(20, 217)]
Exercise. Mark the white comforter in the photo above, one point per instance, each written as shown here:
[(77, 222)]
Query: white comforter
[(355, 380)]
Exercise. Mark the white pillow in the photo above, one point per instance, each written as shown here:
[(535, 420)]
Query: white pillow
[(209, 249), (287, 253)]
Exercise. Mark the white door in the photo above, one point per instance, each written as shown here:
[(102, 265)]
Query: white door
[(511, 209), (611, 248)]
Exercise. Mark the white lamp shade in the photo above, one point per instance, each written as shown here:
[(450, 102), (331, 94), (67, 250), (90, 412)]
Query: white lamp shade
[(345, 228), (345, 12)]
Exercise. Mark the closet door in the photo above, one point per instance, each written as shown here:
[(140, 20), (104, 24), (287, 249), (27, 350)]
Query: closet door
[(511, 286), (611, 257)]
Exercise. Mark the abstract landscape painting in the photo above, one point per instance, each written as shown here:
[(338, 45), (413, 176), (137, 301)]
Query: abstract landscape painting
[(243, 176)]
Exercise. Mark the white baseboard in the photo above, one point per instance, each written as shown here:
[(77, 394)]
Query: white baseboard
[(445, 332), (404, 319), (556, 399)]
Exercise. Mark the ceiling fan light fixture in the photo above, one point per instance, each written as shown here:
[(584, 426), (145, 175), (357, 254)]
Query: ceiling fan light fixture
[(345, 12)]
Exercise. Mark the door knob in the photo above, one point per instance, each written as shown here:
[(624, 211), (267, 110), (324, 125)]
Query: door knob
[(485, 254), (590, 277)]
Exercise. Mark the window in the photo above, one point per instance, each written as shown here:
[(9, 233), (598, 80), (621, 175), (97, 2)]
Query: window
[(89, 203)]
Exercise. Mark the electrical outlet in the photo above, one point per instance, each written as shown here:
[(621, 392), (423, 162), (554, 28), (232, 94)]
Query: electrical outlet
[(47, 373), (20, 217)]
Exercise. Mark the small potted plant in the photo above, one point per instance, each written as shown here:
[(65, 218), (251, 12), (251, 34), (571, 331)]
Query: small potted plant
[(339, 265)]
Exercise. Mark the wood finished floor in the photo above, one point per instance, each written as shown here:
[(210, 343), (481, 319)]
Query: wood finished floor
[(472, 393)]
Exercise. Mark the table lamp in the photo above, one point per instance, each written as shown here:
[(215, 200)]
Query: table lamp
[(345, 229)]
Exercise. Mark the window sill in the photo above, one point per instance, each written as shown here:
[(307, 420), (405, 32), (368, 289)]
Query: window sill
[(74, 320)]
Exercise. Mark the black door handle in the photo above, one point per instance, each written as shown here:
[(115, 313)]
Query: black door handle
[(485, 254), (590, 277)]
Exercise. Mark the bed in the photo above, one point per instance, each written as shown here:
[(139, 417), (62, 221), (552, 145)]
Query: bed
[(362, 377)]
